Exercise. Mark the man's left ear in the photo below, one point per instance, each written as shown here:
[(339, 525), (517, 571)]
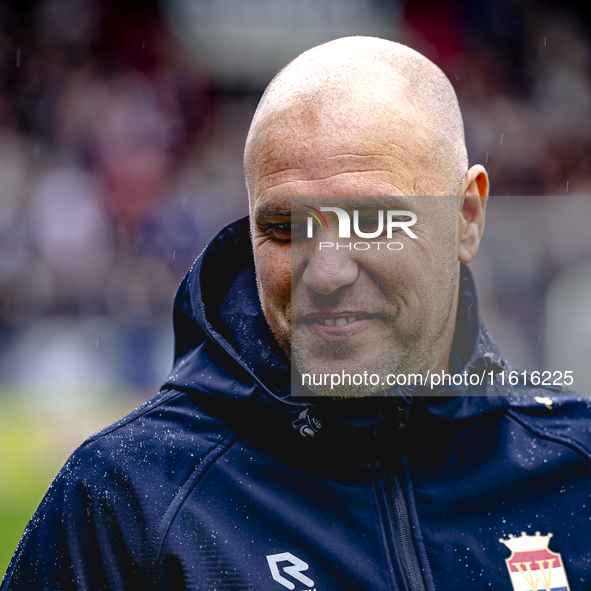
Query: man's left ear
[(474, 194)]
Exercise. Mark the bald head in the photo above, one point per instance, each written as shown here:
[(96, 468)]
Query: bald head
[(364, 95)]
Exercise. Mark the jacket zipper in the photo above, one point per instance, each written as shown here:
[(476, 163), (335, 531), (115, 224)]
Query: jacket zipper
[(404, 543)]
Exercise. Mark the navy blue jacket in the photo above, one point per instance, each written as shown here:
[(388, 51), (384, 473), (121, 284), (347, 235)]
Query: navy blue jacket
[(216, 483)]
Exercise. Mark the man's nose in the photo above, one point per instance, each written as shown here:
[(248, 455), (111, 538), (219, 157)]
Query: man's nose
[(329, 268)]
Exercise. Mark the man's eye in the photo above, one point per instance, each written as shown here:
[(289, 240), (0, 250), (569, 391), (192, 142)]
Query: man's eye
[(368, 224), (279, 228), (285, 231)]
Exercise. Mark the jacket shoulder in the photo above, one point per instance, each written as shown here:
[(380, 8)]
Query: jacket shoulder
[(555, 414), (163, 439)]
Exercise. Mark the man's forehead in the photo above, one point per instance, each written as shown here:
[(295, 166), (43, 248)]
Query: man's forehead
[(300, 143), (320, 157)]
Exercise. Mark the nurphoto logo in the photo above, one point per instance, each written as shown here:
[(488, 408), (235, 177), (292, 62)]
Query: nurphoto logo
[(394, 219)]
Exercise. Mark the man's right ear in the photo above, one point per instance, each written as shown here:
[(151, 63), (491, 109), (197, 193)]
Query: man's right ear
[(474, 194)]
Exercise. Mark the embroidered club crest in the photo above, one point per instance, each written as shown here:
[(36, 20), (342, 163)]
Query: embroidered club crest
[(532, 566)]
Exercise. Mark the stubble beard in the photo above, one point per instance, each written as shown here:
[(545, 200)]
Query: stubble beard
[(345, 356), (412, 352)]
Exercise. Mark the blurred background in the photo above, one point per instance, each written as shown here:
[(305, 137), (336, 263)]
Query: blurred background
[(122, 126)]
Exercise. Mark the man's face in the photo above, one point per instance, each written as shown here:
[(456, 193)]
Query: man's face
[(399, 305)]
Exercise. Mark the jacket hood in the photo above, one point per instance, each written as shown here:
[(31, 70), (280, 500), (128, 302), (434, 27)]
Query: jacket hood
[(228, 359)]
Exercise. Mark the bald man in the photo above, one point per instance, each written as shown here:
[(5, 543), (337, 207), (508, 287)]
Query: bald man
[(229, 479)]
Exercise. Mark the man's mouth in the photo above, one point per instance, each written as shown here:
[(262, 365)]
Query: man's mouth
[(336, 326), (339, 320), (336, 318)]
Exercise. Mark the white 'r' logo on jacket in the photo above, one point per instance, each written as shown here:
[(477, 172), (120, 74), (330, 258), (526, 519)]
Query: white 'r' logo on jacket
[(294, 570)]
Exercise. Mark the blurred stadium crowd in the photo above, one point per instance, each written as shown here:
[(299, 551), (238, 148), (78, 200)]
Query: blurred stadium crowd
[(120, 157)]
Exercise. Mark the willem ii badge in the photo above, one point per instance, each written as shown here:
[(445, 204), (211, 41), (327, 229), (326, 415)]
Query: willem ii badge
[(532, 566)]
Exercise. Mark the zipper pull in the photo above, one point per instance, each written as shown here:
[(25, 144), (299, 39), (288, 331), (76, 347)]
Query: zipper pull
[(402, 418), (487, 362), (306, 424)]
